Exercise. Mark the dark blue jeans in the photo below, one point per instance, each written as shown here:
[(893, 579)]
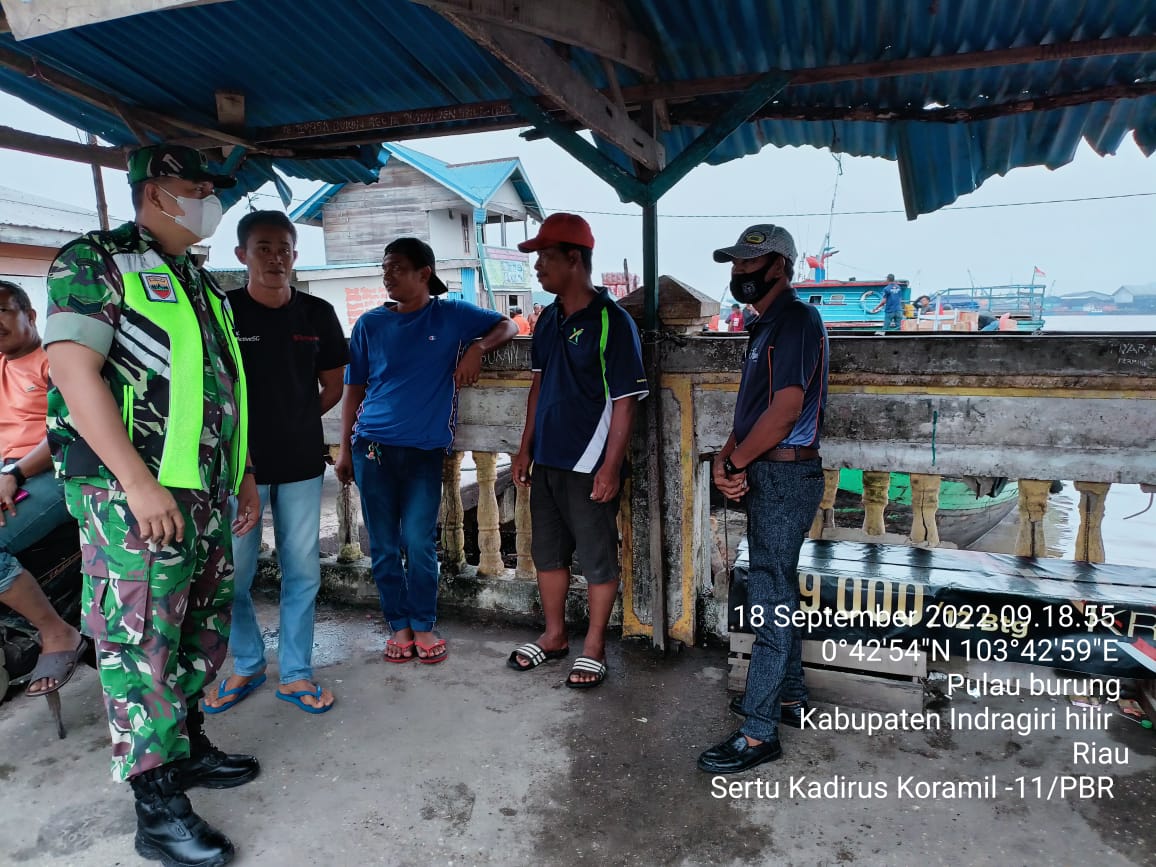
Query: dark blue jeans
[(400, 493), (781, 504)]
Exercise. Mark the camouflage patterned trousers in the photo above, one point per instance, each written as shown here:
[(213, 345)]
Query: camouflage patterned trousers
[(160, 619)]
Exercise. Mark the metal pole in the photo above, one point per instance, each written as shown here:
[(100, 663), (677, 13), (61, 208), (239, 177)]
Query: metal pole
[(98, 186), (653, 426)]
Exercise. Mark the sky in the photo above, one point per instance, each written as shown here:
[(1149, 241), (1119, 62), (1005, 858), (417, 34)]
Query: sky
[(1083, 245)]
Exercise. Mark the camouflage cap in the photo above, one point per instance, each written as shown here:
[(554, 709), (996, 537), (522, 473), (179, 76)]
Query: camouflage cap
[(173, 161)]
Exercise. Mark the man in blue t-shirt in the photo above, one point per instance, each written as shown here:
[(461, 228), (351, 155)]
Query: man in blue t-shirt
[(588, 377), (891, 304), (406, 363), (772, 459)]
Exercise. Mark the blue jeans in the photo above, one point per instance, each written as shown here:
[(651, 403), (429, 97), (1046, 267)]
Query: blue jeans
[(781, 504), (401, 490), (296, 526), (893, 321), (36, 516)]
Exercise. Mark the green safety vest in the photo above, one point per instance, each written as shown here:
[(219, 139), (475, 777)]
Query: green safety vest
[(152, 291)]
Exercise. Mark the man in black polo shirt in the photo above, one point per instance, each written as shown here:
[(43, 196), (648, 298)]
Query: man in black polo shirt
[(588, 377), (772, 458), (294, 353)]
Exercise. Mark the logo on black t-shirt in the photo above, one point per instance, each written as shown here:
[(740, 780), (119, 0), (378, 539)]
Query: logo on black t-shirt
[(575, 334)]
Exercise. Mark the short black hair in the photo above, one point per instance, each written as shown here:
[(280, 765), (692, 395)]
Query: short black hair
[(137, 192), (17, 294), (270, 219), (734, 307), (586, 253)]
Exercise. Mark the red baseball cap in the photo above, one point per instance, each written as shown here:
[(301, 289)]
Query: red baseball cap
[(560, 229)]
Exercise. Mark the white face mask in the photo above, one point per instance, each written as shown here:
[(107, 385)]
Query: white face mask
[(201, 217)]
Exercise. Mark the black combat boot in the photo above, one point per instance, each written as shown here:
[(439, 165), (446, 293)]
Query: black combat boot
[(208, 766), (167, 829)]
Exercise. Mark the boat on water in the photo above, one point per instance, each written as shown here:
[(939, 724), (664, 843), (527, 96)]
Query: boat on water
[(965, 512)]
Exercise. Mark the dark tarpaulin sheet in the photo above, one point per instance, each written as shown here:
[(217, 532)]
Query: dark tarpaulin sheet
[(1087, 617)]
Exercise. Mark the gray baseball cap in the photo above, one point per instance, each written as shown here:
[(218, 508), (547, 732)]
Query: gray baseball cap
[(758, 241)]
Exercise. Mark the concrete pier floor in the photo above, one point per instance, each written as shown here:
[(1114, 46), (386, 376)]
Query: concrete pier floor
[(469, 763)]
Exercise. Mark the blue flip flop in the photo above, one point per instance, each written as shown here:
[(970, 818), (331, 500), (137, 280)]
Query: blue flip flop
[(238, 694), (295, 698)]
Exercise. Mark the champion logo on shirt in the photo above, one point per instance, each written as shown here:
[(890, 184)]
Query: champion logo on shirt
[(433, 337)]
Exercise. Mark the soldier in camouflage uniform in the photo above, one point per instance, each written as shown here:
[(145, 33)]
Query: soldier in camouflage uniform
[(147, 425)]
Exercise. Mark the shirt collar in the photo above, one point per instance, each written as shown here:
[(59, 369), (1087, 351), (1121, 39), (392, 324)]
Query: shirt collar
[(779, 304)]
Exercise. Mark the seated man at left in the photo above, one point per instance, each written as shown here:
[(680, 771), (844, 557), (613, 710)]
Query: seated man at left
[(31, 499)]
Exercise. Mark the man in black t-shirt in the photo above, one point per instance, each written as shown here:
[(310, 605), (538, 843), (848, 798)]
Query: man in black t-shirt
[(294, 353)]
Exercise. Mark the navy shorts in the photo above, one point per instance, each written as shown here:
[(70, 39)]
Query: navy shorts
[(564, 520)]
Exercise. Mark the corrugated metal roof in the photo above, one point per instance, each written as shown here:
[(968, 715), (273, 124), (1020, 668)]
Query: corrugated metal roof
[(476, 182), (298, 61)]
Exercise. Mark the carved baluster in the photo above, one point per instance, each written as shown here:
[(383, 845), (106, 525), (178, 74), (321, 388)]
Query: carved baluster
[(1090, 540), (525, 568), (453, 533), (825, 516), (924, 505), (875, 492), (1033, 505), (489, 522), (348, 521)]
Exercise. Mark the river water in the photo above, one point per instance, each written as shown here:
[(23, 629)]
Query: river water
[(1128, 542)]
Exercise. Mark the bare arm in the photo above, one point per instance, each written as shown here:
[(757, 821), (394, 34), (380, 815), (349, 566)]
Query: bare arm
[(36, 461), (331, 387), (609, 476), (93, 411), (350, 404), (520, 469), (470, 366)]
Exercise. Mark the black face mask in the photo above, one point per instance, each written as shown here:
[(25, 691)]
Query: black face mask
[(753, 286)]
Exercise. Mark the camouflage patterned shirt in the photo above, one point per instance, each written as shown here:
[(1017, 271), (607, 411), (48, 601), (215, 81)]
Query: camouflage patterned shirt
[(86, 306)]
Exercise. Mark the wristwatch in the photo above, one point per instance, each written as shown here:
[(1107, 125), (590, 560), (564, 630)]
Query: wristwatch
[(730, 469), (15, 472)]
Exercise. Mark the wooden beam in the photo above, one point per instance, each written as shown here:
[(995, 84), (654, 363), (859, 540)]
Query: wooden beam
[(536, 64), (48, 146), (693, 116), (595, 25), (628, 187), (381, 122), (106, 100), (674, 90), (499, 114), (230, 114)]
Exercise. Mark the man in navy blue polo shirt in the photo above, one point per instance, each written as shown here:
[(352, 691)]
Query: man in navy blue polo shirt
[(772, 458), (588, 377)]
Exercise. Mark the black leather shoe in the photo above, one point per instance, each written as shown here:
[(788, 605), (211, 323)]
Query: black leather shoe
[(208, 766), (735, 755), (167, 829), (789, 714)]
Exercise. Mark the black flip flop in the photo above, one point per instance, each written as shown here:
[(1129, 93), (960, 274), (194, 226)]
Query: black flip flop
[(586, 665), (535, 655)]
